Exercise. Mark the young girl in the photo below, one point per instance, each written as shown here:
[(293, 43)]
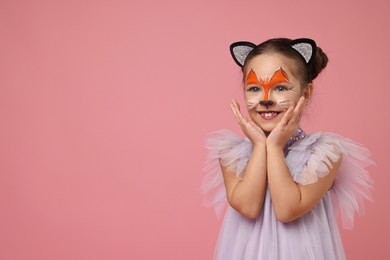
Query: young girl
[(283, 187)]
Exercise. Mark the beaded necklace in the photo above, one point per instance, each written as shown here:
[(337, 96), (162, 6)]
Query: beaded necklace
[(299, 134)]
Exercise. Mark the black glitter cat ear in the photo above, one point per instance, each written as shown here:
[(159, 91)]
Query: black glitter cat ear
[(241, 50), (306, 47)]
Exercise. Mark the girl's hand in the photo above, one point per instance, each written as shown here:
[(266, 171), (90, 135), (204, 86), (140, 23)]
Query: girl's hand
[(251, 130), (289, 124)]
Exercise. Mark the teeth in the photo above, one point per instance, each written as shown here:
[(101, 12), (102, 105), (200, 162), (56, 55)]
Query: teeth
[(268, 114)]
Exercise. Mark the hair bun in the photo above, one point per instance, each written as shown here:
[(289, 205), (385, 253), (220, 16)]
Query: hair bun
[(319, 63)]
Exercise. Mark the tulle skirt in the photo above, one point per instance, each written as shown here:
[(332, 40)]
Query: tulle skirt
[(314, 236)]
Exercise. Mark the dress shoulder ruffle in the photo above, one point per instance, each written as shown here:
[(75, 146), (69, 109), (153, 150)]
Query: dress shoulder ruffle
[(307, 160), (233, 152)]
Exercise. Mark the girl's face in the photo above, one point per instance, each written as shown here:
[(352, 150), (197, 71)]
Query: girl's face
[(270, 89)]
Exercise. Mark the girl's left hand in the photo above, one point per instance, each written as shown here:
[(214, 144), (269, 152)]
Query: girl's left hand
[(289, 124)]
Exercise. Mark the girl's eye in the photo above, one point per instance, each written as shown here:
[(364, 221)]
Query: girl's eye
[(253, 89), (281, 88)]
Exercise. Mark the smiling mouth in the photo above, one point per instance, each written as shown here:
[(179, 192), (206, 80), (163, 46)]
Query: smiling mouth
[(268, 115)]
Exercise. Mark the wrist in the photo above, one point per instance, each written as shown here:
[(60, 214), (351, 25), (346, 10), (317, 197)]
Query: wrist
[(275, 147), (259, 145)]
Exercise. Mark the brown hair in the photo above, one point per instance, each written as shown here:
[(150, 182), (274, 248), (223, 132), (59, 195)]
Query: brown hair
[(306, 73)]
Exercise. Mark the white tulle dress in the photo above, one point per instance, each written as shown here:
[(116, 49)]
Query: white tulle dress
[(313, 236)]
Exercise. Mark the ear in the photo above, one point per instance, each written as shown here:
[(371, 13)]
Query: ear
[(306, 47), (308, 92), (240, 50)]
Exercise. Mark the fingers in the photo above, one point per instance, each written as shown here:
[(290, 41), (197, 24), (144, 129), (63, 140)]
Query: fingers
[(237, 113), (254, 125), (287, 116), (293, 114), (245, 122), (298, 110)]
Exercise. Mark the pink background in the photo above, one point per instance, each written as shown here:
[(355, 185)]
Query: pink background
[(104, 107)]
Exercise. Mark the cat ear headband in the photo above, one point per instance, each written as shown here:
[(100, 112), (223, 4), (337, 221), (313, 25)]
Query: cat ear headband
[(307, 48)]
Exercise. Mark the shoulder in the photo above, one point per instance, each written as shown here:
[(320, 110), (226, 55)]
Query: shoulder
[(325, 142), (230, 150), (227, 146), (316, 152), (308, 158), (330, 144), (317, 139), (224, 139)]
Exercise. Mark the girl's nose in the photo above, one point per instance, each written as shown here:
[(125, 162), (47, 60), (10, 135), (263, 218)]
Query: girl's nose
[(266, 103)]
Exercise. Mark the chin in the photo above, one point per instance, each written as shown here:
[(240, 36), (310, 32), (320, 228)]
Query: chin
[(267, 129), (266, 125)]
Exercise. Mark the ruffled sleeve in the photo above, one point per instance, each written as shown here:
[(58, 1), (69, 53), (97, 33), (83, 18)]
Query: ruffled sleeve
[(308, 158), (233, 152)]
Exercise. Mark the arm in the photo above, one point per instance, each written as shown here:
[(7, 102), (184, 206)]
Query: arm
[(291, 200), (246, 195)]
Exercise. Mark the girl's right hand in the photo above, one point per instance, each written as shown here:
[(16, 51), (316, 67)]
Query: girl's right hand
[(251, 130)]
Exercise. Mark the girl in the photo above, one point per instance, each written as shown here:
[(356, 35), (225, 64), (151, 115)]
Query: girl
[(283, 187)]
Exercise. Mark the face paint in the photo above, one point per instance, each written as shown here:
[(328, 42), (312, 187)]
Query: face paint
[(255, 86), (279, 76)]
